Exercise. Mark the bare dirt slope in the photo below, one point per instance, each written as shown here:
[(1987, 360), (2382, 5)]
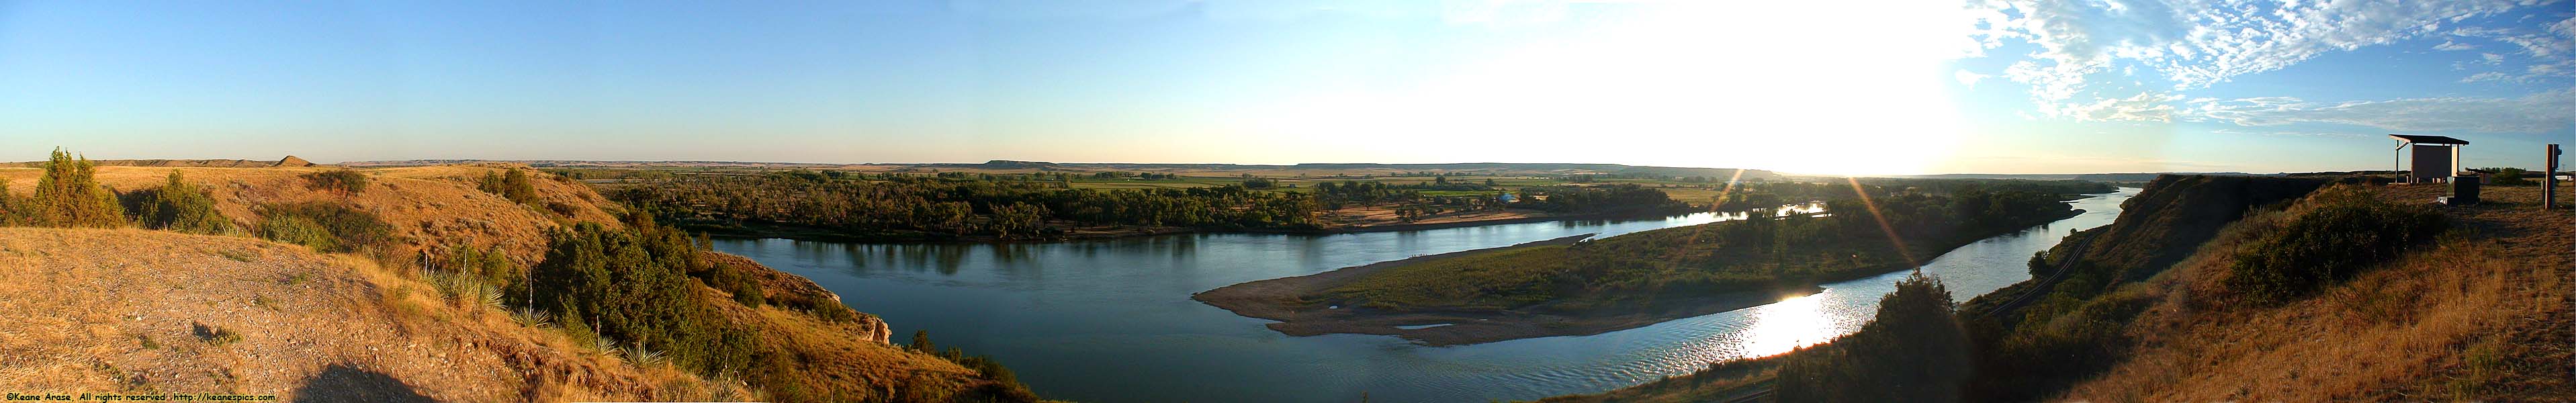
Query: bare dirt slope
[(133, 310)]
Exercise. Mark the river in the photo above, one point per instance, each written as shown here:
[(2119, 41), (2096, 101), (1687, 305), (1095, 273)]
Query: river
[(1112, 320)]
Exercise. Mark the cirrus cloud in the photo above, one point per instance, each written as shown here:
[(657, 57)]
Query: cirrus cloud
[(2540, 112), (2190, 44)]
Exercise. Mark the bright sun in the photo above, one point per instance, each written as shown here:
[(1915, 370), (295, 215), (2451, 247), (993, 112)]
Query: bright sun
[(1770, 85)]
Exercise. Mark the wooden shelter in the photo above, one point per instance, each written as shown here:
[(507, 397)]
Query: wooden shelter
[(2436, 157)]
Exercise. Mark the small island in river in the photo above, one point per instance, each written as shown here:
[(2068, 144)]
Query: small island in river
[(1277, 299), (1577, 286)]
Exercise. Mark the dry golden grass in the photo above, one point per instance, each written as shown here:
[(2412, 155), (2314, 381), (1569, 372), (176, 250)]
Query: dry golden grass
[(76, 305), (839, 360), (2483, 314), (429, 206), (81, 304)]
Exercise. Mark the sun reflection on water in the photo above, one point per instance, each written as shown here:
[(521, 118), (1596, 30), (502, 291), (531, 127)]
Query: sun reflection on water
[(1788, 325)]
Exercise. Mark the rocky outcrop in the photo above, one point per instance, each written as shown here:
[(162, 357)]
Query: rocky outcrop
[(291, 161), (799, 293)]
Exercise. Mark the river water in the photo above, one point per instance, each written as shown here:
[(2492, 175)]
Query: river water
[(1112, 320)]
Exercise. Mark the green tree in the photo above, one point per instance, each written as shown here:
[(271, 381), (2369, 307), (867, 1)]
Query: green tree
[(180, 206), (634, 285), (2510, 177), (1018, 219), (1915, 351), (68, 196)]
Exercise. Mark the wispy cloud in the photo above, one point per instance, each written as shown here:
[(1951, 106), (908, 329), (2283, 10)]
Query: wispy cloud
[(2551, 53), (2191, 44), (2541, 112), (2242, 132)]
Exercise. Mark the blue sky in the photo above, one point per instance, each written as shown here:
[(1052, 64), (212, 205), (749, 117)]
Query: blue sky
[(1889, 86)]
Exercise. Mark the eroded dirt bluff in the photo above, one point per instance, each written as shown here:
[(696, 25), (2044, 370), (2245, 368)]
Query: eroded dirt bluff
[(134, 310)]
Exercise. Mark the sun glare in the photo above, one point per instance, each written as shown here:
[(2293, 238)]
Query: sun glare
[(1788, 325)]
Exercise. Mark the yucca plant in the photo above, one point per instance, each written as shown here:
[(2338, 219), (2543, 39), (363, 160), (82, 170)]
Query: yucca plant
[(531, 317), (640, 356), (489, 297), (607, 347)]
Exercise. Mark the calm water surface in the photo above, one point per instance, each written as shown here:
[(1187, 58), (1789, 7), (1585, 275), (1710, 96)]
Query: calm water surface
[(1112, 320)]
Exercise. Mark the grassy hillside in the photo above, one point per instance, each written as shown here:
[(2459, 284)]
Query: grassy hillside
[(192, 314), (2483, 312), (412, 287), (429, 207)]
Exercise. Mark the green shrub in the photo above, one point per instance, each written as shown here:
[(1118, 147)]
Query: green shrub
[(490, 266), (343, 182), (68, 195), (2511, 177), (183, 207), (2345, 232), (325, 227), (297, 230), (634, 286), (9, 209), (745, 291), (513, 185)]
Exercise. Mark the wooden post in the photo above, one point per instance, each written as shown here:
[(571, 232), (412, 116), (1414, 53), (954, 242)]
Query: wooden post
[(2549, 181)]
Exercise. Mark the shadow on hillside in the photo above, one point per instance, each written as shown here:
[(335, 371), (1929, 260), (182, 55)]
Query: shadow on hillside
[(342, 383)]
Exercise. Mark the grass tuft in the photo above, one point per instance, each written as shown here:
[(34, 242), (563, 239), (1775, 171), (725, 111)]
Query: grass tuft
[(217, 335), (238, 255)]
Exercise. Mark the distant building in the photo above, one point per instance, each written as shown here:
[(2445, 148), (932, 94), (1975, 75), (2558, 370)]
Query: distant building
[(1506, 197), (2437, 158)]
